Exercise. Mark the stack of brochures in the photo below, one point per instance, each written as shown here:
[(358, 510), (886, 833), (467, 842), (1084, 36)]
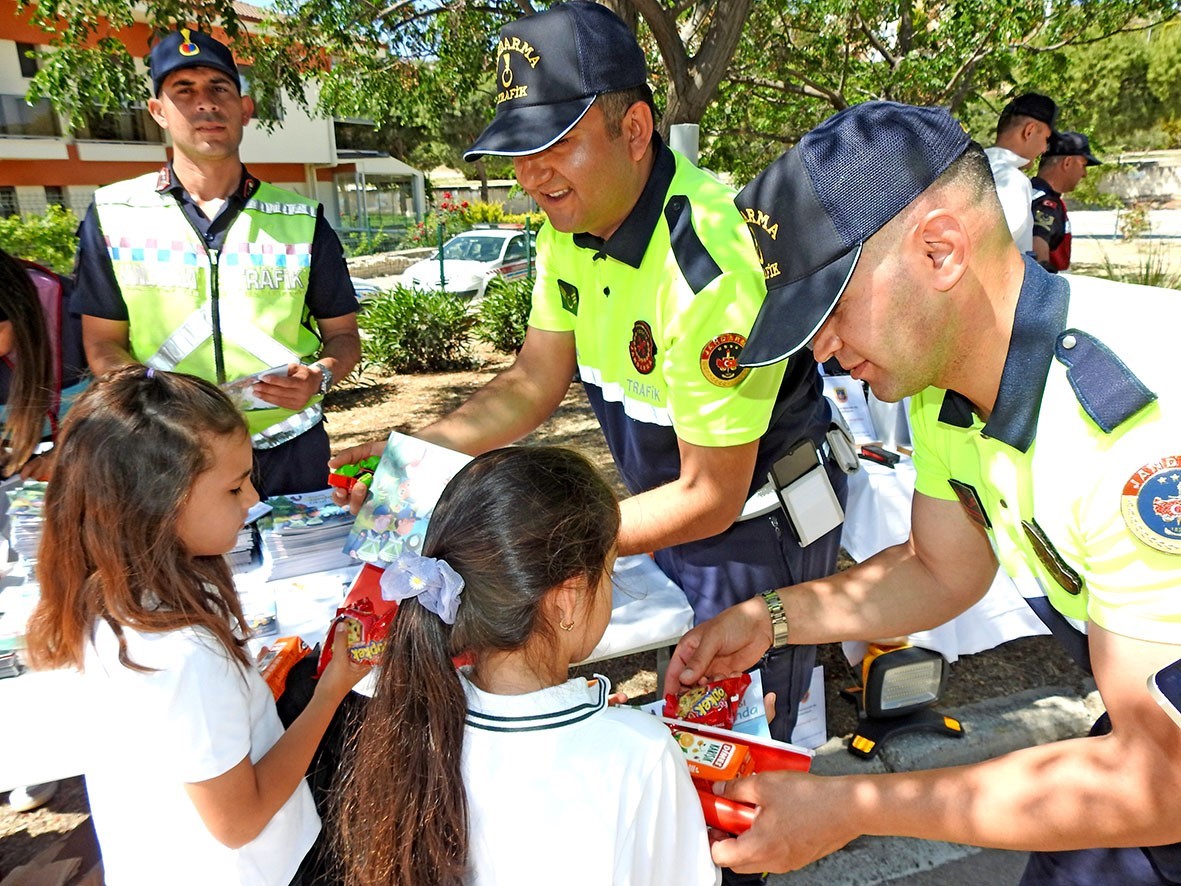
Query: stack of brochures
[(304, 533)]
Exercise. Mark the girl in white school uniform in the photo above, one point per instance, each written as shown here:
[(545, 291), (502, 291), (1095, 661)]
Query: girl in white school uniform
[(191, 777), (505, 771)]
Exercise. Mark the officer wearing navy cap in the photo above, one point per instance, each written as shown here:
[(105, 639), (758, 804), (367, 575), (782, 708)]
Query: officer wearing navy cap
[(1061, 169), (203, 268), (1046, 420), (647, 283)]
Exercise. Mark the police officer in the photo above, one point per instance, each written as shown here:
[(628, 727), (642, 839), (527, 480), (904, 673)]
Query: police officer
[(1061, 169), (1046, 425), (647, 282), (202, 268)]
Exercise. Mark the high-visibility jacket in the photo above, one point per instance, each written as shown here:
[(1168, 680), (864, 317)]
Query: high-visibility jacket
[(218, 314)]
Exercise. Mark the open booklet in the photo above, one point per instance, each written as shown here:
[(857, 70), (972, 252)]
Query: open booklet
[(402, 497)]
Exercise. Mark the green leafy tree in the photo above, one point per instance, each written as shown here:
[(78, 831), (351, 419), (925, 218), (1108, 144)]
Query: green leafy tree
[(801, 60), (47, 239)]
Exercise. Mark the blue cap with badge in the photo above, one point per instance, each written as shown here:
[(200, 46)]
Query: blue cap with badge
[(189, 48), (814, 207), (550, 67)]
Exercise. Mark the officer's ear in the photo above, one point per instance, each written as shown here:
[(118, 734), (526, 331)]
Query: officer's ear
[(156, 109), (637, 128), (247, 109), (944, 248)]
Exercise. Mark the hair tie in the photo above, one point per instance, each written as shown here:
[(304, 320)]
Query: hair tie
[(151, 373), (436, 585)]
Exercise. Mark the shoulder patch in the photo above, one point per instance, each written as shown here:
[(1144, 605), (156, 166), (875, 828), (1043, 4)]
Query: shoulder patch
[(1109, 392), (1151, 504), (692, 257), (719, 360), (569, 293)]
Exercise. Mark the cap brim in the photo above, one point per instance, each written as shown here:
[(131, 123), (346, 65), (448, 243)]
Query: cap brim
[(1092, 160), (791, 315), (528, 129)]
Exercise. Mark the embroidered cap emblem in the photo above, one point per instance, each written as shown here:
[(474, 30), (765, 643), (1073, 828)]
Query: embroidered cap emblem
[(642, 348), (1151, 504), (188, 47), (719, 360)]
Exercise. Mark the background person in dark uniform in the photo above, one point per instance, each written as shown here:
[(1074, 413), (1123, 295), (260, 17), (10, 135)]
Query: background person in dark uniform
[(1061, 169)]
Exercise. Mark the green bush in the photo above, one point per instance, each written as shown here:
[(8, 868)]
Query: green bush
[(481, 213), (504, 312), (48, 239), (407, 330)]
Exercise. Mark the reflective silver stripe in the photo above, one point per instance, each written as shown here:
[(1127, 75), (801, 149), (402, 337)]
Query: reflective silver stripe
[(198, 327), (288, 429), (191, 335)]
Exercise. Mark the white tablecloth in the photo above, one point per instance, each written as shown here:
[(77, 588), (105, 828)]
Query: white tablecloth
[(878, 516), (41, 734)]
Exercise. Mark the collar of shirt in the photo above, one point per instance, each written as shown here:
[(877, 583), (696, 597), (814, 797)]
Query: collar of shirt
[(211, 229), (1040, 316), (996, 154), (1040, 184), (631, 238)]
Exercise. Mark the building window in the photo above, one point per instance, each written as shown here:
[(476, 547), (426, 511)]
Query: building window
[(8, 203), (28, 62), (264, 111), (55, 195), (17, 117), (133, 124)]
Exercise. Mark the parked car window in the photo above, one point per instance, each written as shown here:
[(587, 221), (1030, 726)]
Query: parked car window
[(516, 249)]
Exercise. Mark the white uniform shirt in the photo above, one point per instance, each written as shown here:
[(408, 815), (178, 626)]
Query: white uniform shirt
[(195, 717), (1016, 193), (563, 789)]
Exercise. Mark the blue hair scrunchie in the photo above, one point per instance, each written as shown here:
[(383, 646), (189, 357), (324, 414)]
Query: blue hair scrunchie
[(437, 586)]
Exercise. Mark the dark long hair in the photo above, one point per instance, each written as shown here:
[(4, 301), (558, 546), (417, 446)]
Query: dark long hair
[(30, 392), (514, 523), (129, 452)]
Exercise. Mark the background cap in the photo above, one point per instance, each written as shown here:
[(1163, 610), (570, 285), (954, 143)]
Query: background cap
[(811, 210), (549, 68), (189, 48), (1035, 105), (1071, 144)]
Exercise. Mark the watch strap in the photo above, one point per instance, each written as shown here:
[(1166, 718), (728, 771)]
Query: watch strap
[(778, 619)]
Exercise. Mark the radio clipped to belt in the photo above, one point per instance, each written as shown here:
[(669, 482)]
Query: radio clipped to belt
[(804, 490)]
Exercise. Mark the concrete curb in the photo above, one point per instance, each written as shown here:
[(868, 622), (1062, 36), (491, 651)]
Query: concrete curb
[(991, 728)]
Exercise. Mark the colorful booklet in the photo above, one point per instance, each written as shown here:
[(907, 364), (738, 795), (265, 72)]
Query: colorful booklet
[(402, 497)]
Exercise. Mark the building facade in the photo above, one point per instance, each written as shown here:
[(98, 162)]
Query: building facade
[(43, 162)]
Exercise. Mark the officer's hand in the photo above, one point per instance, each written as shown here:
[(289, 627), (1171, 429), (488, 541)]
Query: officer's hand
[(781, 839), (291, 391), (355, 497), (730, 642)]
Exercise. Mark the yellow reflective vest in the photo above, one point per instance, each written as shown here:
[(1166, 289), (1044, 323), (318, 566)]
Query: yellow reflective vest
[(177, 291)]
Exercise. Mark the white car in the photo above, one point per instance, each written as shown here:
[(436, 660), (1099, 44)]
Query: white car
[(473, 258)]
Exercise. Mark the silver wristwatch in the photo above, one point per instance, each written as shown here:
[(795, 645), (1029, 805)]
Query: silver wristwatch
[(778, 619), (325, 376)]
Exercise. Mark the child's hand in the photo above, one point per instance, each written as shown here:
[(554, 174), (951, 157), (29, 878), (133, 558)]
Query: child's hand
[(342, 673)]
